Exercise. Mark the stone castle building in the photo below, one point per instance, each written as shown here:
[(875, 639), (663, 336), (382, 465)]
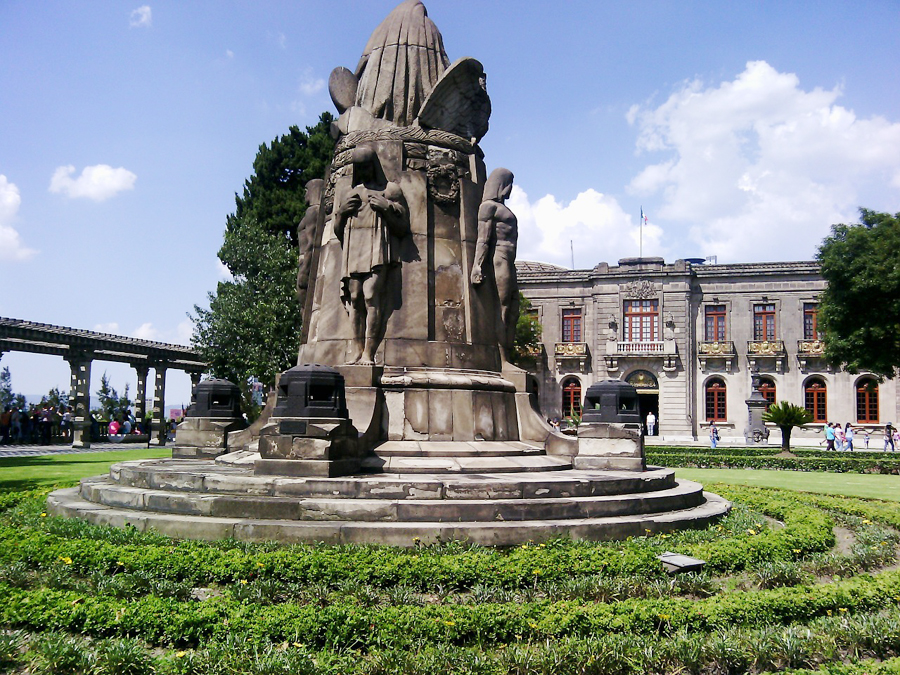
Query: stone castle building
[(688, 336)]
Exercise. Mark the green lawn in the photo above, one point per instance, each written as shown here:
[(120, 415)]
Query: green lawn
[(874, 486), (21, 473)]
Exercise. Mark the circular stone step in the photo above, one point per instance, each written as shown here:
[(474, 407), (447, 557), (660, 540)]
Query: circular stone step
[(684, 495), (210, 478), (69, 503)]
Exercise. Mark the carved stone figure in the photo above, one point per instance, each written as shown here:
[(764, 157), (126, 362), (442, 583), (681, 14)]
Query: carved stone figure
[(306, 234), (498, 234), (369, 221)]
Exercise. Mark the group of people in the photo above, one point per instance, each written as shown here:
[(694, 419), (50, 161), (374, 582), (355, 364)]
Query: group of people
[(841, 438), (36, 425)]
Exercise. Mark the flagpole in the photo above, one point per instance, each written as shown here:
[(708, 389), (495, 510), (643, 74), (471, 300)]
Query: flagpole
[(641, 255)]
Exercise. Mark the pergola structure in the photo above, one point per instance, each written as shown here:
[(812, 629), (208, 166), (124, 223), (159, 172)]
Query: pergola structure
[(81, 347)]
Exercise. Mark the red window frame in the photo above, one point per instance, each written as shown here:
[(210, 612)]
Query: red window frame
[(815, 396), (811, 321), (767, 389), (571, 325), (716, 401), (764, 322), (715, 323), (867, 401), (641, 320), (571, 398)]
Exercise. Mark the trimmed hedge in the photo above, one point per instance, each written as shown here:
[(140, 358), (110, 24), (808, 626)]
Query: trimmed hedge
[(725, 459)]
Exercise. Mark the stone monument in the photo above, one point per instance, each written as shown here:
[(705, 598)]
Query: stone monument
[(404, 421)]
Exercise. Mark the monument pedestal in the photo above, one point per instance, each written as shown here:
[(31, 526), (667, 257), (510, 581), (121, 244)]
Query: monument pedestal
[(308, 447), (215, 414), (607, 445)]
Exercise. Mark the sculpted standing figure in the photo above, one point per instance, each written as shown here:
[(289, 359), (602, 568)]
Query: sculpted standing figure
[(306, 234), (368, 221), (498, 234)]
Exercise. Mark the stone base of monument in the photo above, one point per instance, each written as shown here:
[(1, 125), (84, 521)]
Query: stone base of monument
[(211, 500), (607, 445), (204, 437), (308, 447)]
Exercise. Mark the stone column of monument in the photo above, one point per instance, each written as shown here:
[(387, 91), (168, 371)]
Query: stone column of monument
[(160, 427), (756, 432), (140, 393), (80, 397), (417, 119)]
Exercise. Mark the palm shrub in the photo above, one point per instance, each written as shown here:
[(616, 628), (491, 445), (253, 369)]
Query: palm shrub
[(786, 416)]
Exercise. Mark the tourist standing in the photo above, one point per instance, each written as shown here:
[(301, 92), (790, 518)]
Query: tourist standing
[(5, 424), (848, 437), (839, 439), (713, 435), (889, 436), (651, 423), (46, 422), (16, 428)]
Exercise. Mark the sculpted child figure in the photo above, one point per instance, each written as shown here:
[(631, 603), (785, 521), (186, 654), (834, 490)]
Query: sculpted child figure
[(369, 222), (306, 232), (498, 234)]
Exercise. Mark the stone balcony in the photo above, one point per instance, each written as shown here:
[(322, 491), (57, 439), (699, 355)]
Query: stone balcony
[(809, 352), (760, 352), (721, 350), (666, 350), (571, 356)]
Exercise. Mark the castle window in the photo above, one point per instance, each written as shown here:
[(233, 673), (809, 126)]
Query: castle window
[(571, 397), (715, 323), (867, 400), (815, 396), (767, 389), (641, 320), (811, 321), (764, 322), (716, 409), (571, 325)]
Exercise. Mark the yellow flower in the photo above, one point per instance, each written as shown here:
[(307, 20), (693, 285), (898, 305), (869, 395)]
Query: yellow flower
[(536, 572), (297, 644), (532, 624), (842, 609), (66, 559), (749, 531), (648, 530), (259, 564), (796, 550), (450, 623), (244, 582), (664, 617), (180, 655), (43, 515), (828, 612), (866, 521)]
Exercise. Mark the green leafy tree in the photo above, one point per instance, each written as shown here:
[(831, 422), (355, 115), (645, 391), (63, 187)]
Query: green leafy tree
[(7, 396), (252, 325), (55, 398), (527, 344), (786, 416), (859, 311), (111, 404)]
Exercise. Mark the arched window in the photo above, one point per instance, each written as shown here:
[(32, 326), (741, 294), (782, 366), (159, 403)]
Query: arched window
[(867, 400), (767, 389), (716, 410), (571, 397), (815, 396)]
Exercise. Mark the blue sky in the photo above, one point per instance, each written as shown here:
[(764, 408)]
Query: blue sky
[(743, 129)]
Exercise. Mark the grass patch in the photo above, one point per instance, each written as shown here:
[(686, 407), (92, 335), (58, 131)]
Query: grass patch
[(25, 473), (868, 486)]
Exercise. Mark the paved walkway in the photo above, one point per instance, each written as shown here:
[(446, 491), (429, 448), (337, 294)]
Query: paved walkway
[(38, 450)]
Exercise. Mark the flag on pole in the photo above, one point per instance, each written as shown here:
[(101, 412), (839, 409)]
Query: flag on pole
[(643, 217)]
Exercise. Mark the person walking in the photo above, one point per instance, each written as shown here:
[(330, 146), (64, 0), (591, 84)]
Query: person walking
[(839, 439), (713, 435), (829, 436), (651, 423), (848, 437), (889, 436)]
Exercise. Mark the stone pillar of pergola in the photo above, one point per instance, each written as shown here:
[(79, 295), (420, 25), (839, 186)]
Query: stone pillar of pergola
[(160, 426), (80, 397)]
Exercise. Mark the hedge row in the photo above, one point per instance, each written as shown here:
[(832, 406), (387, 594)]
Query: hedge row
[(342, 626), (844, 463), (727, 547)]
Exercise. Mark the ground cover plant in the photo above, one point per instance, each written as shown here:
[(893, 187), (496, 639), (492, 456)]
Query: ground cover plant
[(792, 581)]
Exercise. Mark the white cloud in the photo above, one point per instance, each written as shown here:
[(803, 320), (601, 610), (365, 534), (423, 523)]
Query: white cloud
[(229, 54), (111, 327), (759, 167), (142, 17), (595, 224), (145, 331), (11, 247), (98, 182), (223, 271), (183, 332), (309, 84)]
